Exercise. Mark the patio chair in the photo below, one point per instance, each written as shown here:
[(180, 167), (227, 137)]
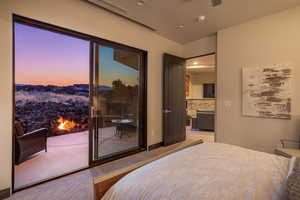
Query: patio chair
[(27, 144)]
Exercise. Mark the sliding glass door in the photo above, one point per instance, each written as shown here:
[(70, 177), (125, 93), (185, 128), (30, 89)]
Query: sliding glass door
[(75, 96), (118, 101), (51, 93)]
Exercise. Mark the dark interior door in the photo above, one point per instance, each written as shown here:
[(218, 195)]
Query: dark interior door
[(174, 113)]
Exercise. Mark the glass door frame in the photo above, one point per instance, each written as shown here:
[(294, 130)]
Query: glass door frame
[(142, 100), (93, 40)]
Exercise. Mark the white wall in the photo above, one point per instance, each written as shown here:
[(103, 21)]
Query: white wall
[(82, 17), (197, 81), (5, 101), (200, 47), (273, 39)]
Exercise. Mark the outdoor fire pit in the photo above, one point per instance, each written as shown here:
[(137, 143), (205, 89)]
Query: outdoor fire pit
[(63, 126)]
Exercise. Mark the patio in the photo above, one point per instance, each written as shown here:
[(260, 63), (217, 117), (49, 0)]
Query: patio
[(68, 153)]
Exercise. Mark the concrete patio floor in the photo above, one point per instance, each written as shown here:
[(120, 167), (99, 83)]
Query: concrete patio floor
[(68, 153)]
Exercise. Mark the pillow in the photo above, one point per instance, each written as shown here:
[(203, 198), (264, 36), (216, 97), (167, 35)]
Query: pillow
[(293, 182)]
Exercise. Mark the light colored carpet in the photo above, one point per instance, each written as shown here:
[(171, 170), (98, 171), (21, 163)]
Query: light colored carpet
[(206, 136), (77, 186)]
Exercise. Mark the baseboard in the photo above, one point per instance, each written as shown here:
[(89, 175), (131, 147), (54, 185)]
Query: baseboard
[(4, 193), (155, 146)]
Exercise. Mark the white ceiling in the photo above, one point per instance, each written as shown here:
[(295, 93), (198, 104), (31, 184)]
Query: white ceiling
[(166, 15)]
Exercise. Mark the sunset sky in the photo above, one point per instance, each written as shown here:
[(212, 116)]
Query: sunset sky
[(111, 70), (47, 58)]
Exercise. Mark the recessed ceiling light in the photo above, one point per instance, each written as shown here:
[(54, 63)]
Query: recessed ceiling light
[(195, 63), (140, 3), (181, 26), (201, 18)]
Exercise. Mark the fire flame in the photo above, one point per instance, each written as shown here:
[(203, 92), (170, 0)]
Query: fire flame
[(65, 124)]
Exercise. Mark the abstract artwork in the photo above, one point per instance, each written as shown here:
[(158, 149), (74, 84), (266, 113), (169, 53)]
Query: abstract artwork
[(267, 92)]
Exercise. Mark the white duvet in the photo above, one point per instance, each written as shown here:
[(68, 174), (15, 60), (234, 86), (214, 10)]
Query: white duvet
[(206, 171)]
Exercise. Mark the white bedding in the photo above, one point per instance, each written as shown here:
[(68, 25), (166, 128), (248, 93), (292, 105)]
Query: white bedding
[(206, 171)]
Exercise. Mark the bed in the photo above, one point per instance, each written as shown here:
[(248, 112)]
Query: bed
[(207, 171)]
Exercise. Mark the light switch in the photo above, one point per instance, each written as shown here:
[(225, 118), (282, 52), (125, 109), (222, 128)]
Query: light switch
[(227, 103)]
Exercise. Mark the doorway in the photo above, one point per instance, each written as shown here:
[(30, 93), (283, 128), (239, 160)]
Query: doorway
[(200, 88), (189, 98), (79, 101)]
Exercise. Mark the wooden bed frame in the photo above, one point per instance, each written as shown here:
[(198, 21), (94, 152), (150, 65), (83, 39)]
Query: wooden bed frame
[(103, 183)]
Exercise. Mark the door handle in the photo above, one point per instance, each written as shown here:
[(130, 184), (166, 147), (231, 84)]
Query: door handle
[(95, 113), (167, 111)]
